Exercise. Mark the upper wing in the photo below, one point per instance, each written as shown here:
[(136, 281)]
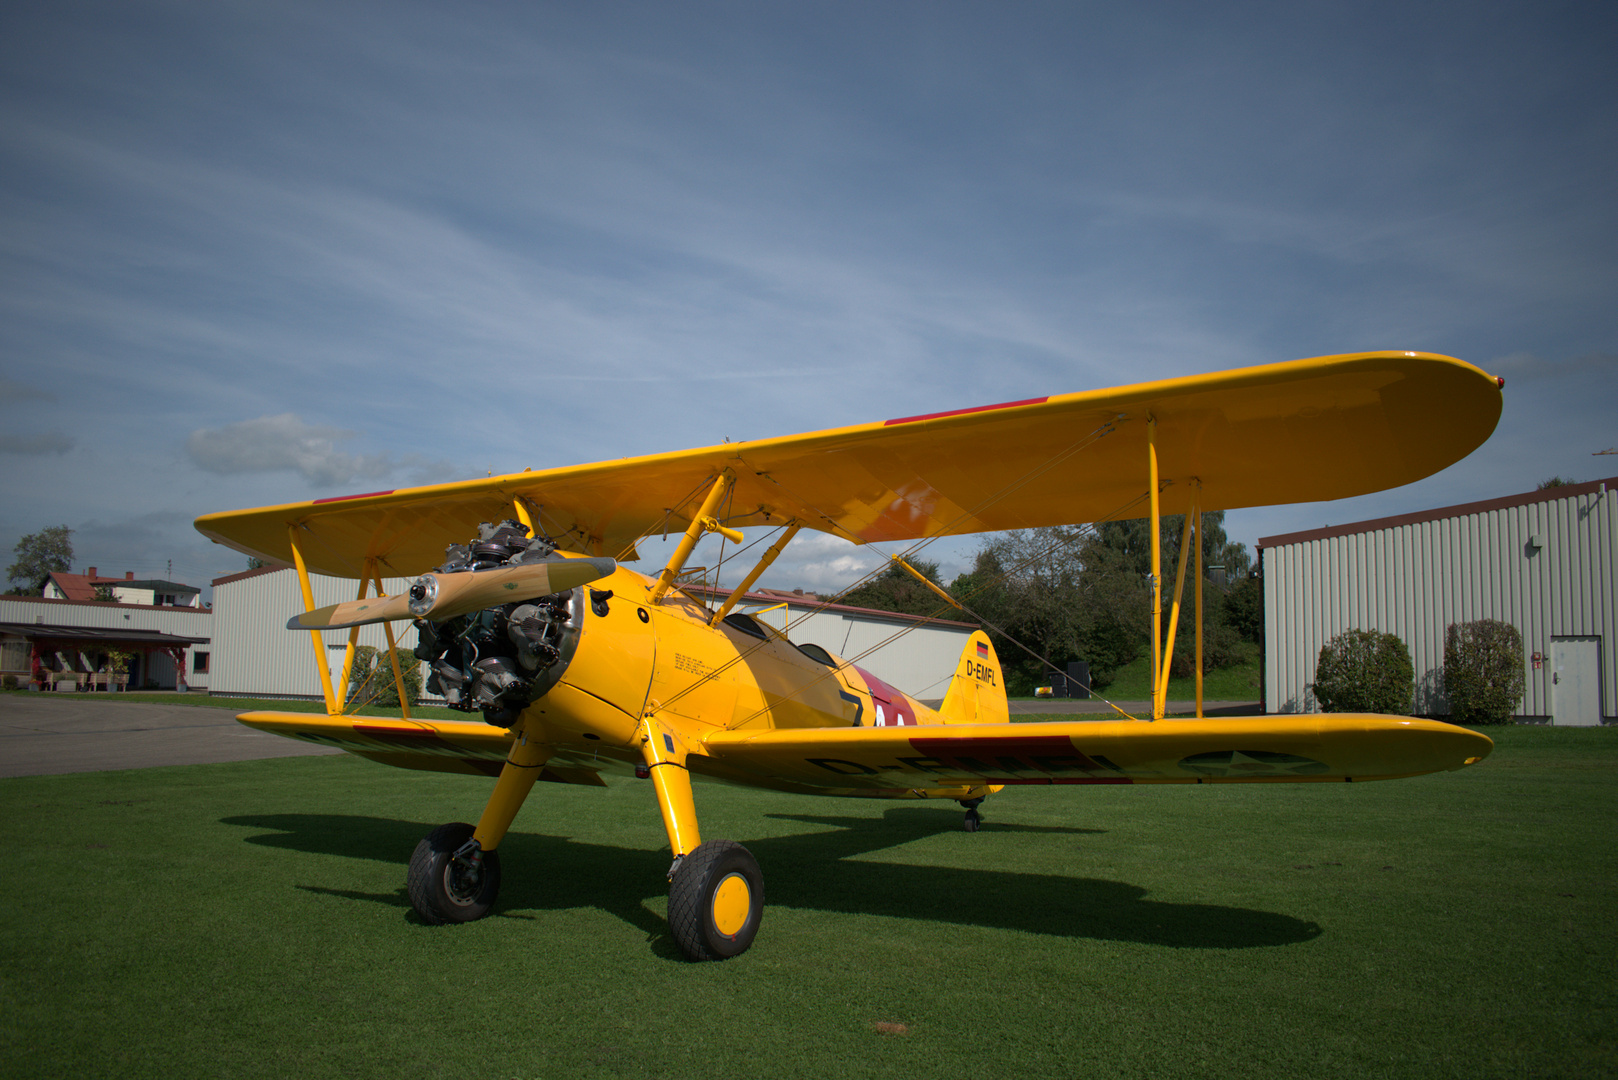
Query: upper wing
[(1302, 431), (1286, 748)]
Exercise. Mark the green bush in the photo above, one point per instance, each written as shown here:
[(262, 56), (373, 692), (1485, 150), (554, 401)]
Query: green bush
[(1365, 671), (370, 681), (8, 682), (1483, 671)]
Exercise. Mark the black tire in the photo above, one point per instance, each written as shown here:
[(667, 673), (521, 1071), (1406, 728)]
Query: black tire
[(706, 902), (444, 891), (973, 821)]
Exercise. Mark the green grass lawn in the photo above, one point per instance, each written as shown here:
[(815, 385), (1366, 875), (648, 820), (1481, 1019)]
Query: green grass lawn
[(250, 920), (1133, 682)]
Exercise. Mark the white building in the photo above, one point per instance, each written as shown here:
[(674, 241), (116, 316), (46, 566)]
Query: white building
[(151, 592), (73, 637), (1545, 561)]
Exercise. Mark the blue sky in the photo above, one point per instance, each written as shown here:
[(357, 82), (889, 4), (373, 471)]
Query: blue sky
[(263, 253)]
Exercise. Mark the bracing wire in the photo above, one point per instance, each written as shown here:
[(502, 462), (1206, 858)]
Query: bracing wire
[(937, 613)]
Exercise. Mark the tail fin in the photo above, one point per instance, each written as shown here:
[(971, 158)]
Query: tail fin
[(977, 693)]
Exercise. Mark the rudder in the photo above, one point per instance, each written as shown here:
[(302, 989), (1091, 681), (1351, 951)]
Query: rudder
[(977, 692)]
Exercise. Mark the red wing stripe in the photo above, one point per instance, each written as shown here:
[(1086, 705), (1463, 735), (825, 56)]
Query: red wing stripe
[(345, 498), (963, 412)]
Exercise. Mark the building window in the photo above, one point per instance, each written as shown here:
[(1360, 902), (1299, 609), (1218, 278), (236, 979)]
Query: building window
[(199, 663), (14, 656)]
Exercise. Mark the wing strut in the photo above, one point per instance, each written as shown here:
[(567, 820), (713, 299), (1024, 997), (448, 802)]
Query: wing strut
[(1195, 512), (322, 665), (393, 648), (1163, 654), (763, 564), (340, 691), (919, 576), (703, 521), (1157, 563), (1160, 692)]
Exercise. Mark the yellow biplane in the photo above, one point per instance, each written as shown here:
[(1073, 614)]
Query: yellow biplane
[(581, 666)]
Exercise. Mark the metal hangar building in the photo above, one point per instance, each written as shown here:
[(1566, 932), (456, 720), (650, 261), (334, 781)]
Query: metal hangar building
[(1544, 561)]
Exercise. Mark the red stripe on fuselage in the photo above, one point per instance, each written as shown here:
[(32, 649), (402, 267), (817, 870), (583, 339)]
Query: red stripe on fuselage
[(897, 708)]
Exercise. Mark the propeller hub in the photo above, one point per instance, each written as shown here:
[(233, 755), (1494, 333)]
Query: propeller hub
[(423, 594)]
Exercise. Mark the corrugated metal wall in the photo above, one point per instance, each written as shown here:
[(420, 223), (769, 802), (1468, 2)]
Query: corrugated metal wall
[(1548, 568), (254, 655)]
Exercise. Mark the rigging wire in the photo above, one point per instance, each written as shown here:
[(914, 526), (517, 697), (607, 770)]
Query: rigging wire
[(934, 617)]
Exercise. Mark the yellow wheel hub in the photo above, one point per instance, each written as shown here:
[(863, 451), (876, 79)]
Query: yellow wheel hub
[(732, 901)]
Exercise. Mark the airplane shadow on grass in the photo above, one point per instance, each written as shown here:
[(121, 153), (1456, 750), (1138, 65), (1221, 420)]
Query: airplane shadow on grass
[(813, 871)]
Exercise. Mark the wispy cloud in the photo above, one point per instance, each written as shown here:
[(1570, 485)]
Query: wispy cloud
[(285, 442), (52, 442)]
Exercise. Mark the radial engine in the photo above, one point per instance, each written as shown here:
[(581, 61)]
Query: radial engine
[(501, 658)]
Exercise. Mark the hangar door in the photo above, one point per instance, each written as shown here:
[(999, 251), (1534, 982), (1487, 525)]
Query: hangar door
[(1576, 681)]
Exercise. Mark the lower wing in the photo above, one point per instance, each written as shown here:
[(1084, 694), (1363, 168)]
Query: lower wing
[(457, 746), (1332, 747)]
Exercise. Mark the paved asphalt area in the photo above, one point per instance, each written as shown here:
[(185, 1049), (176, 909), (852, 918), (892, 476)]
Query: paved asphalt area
[(44, 734)]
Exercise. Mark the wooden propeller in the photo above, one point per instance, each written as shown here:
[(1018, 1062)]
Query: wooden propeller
[(436, 597)]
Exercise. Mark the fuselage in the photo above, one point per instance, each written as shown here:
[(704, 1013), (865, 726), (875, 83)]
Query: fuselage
[(666, 660)]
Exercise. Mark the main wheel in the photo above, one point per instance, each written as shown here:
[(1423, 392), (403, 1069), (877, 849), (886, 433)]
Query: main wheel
[(973, 820), (444, 889), (716, 901)]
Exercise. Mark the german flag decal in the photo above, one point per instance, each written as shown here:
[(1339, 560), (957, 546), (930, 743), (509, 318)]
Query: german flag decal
[(983, 650)]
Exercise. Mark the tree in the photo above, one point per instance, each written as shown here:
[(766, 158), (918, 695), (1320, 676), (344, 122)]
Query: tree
[(1365, 671), (1555, 482), (40, 554), (1025, 586), (1244, 608), (1483, 671), (1118, 564), (1081, 593), (254, 562), (895, 590)]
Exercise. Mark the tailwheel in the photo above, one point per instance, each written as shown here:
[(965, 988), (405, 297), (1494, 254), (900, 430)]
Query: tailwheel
[(716, 899), (973, 820), (451, 879)]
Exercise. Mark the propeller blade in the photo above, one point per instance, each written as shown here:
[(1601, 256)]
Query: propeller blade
[(459, 594), (372, 609), (437, 597)]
